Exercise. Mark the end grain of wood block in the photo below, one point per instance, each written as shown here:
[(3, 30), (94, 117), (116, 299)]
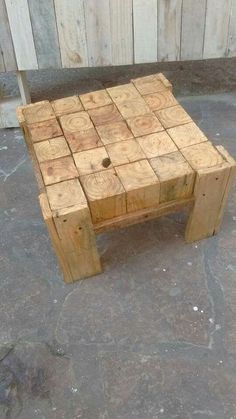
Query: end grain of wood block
[(67, 105), (55, 171), (149, 84), (95, 99), (111, 133), (186, 135), (91, 161), (202, 156), (173, 116), (125, 152), (144, 124), (83, 140), (133, 108), (123, 93), (74, 122), (65, 195), (157, 144), (105, 194), (141, 185), (38, 112), (176, 176), (44, 130), (105, 115), (51, 149), (161, 100)]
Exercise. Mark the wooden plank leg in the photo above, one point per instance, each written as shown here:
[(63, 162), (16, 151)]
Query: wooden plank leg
[(23, 87), (74, 228), (209, 192)]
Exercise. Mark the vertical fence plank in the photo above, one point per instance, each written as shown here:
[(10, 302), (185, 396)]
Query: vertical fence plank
[(22, 36), (72, 33), (121, 31), (232, 31), (193, 24), (44, 28), (98, 32), (7, 54), (145, 31), (168, 29), (217, 26)]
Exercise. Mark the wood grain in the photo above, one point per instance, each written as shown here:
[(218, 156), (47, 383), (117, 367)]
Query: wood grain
[(144, 124), (202, 156), (91, 161), (173, 116), (121, 31), (51, 149), (111, 133), (156, 144), (55, 171), (186, 135), (169, 29), (145, 31), (7, 54), (193, 26), (105, 115), (125, 152), (44, 130), (67, 105), (95, 99)]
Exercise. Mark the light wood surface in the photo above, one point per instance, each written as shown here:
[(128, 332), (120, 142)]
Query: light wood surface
[(38, 112), (105, 115), (91, 161), (124, 152), (51, 149), (145, 31), (186, 135), (44, 130), (161, 100), (144, 124), (173, 116), (111, 133), (95, 99), (57, 170), (83, 140), (67, 105), (75, 122), (156, 144)]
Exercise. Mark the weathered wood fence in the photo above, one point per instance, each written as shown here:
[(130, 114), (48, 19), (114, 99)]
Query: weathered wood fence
[(39, 34)]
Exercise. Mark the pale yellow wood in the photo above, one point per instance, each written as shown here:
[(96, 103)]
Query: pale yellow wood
[(229, 185), (44, 130), (73, 223), (175, 175), (186, 135), (54, 171), (173, 116), (67, 105), (144, 124), (202, 156), (91, 161), (123, 93), (161, 100), (111, 133), (56, 242), (95, 99), (140, 183), (157, 144), (37, 112), (125, 152), (51, 149), (209, 193), (105, 194), (65, 195), (105, 115), (133, 108), (143, 215), (75, 122), (150, 84), (83, 140)]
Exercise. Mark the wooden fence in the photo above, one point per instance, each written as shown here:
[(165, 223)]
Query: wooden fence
[(39, 34)]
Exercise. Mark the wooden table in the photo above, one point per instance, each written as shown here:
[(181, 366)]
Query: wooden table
[(120, 156)]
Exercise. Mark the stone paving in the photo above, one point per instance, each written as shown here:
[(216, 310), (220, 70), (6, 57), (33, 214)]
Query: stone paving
[(153, 337)]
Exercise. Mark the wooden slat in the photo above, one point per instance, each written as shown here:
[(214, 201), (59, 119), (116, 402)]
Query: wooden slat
[(193, 23), (169, 29), (20, 24), (145, 31), (97, 14), (72, 32), (232, 31), (7, 54), (44, 28), (121, 32), (216, 30), (143, 215)]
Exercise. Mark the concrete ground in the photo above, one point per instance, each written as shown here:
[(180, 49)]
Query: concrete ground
[(153, 337)]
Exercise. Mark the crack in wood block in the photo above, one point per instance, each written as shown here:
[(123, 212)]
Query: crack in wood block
[(54, 171), (175, 175), (95, 99), (67, 105), (140, 183), (65, 195), (202, 156), (51, 149)]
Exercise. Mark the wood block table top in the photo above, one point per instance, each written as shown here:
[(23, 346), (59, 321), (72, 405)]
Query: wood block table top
[(119, 150)]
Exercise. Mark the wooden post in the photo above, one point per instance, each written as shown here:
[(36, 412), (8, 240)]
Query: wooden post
[(23, 87), (71, 230)]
